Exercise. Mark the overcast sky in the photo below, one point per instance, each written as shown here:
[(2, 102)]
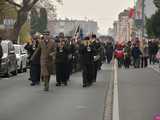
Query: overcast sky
[(103, 11)]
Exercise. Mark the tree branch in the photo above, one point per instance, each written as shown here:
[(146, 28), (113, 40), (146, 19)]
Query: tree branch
[(13, 3), (32, 4)]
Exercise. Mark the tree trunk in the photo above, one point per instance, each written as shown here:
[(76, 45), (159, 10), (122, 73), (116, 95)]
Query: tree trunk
[(21, 19)]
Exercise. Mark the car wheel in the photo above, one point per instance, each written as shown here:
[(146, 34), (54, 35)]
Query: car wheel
[(7, 73), (15, 72)]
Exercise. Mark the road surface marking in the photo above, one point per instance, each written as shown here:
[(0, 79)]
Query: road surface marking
[(115, 114), (109, 98)]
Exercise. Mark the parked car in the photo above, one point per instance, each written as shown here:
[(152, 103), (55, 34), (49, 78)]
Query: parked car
[(21, 55), (9, 61)]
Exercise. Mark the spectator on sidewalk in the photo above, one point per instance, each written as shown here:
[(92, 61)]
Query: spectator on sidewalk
[(144, 57), (35, 63), (119, 55), (109, 52), (136, 53), (127, 55), (1, 52)]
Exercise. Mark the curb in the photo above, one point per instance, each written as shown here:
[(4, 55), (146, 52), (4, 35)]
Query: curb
[(115, 114)]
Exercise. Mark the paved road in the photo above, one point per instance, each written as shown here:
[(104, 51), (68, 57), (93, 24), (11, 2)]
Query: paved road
[(19, 101), (139, 94)]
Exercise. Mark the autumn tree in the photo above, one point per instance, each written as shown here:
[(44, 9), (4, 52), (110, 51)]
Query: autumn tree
[(157, 3), (23, 10), (34, 21), (153, 23), (43, 20)]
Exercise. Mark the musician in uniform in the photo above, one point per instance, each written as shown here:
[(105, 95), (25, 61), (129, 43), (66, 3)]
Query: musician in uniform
[(87, 61)]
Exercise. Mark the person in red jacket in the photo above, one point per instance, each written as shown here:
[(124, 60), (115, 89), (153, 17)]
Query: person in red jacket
[(119, 55)]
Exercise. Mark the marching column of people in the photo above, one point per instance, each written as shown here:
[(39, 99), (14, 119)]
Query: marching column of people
[(65, 56)]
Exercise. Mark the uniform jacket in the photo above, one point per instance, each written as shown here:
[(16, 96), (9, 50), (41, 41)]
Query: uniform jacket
[(87, 53), (47, 57)]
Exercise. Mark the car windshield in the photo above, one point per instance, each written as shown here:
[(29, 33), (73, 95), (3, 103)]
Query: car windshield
[(17, 49)]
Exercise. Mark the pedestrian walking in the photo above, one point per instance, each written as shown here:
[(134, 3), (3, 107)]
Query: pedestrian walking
[(136, 53), (97, 61), (35, 69), (61, 62), (1, 52), (119, 55), (144, 57), (47, 49), (127, 54), (109, 51), (71, 50), (30, 47), (87, 61)]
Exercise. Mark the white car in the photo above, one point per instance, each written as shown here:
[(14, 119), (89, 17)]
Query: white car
[(21, 55)]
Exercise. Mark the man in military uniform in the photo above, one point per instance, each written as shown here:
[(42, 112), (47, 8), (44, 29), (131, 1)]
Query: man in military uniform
[(47, 49), (61, 62), (96, 44), (87, 61)]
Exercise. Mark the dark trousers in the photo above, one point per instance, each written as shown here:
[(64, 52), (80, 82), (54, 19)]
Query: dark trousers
[(35, 72), (61, 73), (152, 59), (95, 70), (120, 62), (136, 62), (69, 70), (87, 74), (144, 62), (127, 62), (109, 58)]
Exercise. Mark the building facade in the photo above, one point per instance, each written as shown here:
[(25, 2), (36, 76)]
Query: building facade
[(68, 27), (149, 8)]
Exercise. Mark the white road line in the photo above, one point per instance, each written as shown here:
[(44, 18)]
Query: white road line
[(109, 99), (155, 69), (115, 114)]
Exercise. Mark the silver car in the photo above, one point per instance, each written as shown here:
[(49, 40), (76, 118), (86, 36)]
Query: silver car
[(9, 61), (21, 55)]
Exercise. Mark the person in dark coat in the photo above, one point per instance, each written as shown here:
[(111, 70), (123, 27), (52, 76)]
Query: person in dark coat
[(35, 68), (30, 47), (109, 52), (1, 52), (150, 51), (97, 61), (136, 53), (61, 62), (155, 50), (71, 50), (87, 61)]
